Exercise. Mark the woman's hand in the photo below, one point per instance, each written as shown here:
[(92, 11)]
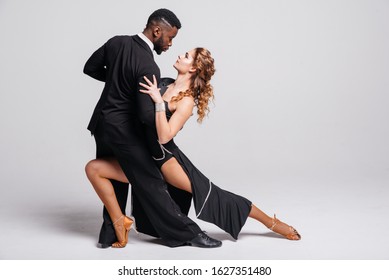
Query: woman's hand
[(152, 89)]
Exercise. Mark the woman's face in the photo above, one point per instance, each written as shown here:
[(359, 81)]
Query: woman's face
[(185, 62)]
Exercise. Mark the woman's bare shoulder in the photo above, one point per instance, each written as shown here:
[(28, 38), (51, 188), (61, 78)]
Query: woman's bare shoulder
[(186, 104)]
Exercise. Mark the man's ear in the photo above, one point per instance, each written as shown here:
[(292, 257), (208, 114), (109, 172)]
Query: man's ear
[(157, 32)]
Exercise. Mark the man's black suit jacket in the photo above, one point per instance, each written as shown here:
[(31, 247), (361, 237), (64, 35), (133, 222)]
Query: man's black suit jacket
[(121, 63)]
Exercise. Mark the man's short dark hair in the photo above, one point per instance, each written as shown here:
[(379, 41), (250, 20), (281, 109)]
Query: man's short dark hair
[(166, 16)]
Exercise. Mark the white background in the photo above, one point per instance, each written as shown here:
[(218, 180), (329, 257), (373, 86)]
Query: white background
[(299, 125)]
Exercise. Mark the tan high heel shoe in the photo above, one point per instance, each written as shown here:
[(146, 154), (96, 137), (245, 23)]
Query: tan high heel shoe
[(122, 227), (284, 229)]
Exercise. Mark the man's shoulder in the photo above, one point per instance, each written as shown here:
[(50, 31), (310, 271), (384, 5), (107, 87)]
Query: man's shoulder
[(121, 39), (129, 40)]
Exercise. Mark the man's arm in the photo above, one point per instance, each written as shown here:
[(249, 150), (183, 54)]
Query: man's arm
[(95, 66), (145, 105)]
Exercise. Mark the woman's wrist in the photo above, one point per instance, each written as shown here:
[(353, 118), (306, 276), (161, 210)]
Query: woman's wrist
[(160, 107)]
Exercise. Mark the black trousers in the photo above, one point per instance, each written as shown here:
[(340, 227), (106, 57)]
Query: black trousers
[(150, 189)]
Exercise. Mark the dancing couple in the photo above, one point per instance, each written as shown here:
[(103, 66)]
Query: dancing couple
[(134, 125)]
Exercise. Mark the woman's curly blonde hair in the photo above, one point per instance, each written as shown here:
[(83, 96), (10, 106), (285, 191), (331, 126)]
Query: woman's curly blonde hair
[(200, 87)]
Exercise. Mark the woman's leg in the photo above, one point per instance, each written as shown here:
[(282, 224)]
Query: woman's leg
[(274, 224), (260, 216), (98, 171), (174, 174)]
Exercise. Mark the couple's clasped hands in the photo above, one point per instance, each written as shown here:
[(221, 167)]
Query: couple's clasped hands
[(151, 88)]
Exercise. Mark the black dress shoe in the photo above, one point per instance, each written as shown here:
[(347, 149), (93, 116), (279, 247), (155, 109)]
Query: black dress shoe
[(204, 241), (103, 246)]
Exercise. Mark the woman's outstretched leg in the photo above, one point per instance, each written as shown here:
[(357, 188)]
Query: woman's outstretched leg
[(260, 216), (274, 224), (98, 171), (176, 176)]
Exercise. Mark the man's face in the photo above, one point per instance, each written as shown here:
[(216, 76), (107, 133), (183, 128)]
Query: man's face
[(165, 40)]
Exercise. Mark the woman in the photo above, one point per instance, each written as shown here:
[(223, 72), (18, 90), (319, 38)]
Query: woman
[(174, 107)]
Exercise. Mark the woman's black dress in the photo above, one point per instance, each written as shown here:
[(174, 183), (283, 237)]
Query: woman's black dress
[(212, 204)]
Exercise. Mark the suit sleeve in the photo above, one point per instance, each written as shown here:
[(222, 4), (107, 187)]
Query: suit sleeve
[(95, 65), (145, 106)]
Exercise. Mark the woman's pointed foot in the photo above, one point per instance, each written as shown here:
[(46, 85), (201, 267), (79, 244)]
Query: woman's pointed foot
[(122, 227), (285, 230)]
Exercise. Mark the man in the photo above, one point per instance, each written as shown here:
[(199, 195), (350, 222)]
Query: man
[(118, 121)]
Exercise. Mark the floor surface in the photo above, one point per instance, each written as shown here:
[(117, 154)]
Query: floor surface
[(337, 222)]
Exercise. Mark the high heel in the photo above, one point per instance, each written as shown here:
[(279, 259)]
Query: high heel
[(122, 227), (284, 229)]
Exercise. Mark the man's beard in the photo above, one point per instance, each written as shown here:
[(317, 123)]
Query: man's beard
[(158, 46)]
